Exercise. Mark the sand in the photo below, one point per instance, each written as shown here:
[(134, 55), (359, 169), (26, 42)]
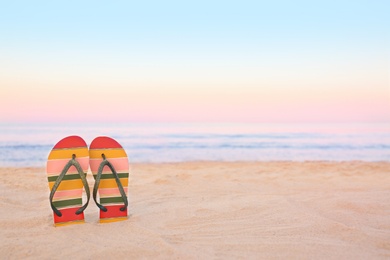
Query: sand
[(212, 210)]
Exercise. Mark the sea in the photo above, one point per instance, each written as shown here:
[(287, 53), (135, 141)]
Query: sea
[(28, 145)]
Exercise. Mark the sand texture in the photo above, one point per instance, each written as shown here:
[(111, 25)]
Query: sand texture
[(212, 210)]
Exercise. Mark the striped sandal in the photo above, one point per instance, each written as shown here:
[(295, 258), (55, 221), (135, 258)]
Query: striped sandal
[(110, 168), (66, 170)]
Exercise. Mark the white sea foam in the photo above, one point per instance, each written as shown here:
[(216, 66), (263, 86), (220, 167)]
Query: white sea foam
[(29, 145)]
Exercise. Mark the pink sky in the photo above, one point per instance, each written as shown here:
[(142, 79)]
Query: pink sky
[(29, 100), (337, 87), (203, 61)]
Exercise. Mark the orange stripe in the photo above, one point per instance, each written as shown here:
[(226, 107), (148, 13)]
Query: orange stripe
[(109, 153), (110, 220), (67, 153), (69, 223), (68, 185), (111, 183)]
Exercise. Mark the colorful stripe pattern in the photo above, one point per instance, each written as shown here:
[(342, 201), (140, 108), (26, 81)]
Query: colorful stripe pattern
[(109, 193), (68, 197)]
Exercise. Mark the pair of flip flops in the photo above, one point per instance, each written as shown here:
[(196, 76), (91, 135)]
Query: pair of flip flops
[(67, 167)]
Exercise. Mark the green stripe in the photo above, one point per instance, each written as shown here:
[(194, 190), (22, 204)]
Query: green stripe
[(111, 200), (66, 177), (111, 176), (65, 203)]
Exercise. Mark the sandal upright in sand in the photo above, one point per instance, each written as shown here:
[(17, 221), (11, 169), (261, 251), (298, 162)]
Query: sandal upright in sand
[(66, 170), (110, 168)]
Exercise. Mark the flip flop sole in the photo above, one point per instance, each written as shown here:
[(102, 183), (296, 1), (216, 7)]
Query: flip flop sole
[(68, 197), (108, 191)]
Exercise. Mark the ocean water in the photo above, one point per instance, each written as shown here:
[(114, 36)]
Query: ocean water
[(30, 144)]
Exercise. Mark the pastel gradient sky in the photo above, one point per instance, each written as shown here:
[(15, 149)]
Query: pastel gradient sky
[(195, 61)]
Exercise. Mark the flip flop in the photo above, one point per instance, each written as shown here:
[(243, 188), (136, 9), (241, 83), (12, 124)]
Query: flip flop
[(110, 168), (66, 170)]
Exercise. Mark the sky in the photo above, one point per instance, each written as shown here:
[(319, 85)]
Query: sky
[(195, 61)]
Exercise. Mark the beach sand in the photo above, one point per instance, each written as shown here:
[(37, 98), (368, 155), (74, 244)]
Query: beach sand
[(212, 210)]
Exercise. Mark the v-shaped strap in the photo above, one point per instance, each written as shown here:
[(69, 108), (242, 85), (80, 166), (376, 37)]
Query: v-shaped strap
[(105, 162), (74, 163)]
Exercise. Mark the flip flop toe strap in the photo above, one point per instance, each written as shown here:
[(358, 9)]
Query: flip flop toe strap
[(104, 163), (74, 163)]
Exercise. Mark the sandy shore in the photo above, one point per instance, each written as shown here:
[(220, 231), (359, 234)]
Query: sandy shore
[(212, 210)]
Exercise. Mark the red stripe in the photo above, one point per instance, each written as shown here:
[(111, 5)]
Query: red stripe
[(104, 142), (113, 212), (68, 215), (70, 142)]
